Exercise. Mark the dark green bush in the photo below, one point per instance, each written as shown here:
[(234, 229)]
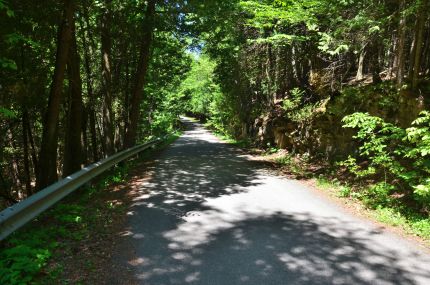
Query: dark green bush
[(397, 158)]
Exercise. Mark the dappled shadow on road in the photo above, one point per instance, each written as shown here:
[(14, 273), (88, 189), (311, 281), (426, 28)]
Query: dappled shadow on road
[(274, 249), (198, 166), (196, 221)]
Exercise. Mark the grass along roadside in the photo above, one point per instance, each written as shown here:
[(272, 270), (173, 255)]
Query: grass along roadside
[(45, 251), (401, 217)]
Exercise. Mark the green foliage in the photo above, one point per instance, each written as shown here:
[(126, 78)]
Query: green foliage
[(275, 14), (8, 64), (6, 113), (163, 122), (328, 44), (170, 63), (199, 88), (297, 108), (334, 184), (378, 195), (204, 98), (294, 164), (26, 253), (389, 216), (399, 157), (415, 224), (380, 144), (382, 208), (5, 7), (20, 264), (418, 138), (295, 100)]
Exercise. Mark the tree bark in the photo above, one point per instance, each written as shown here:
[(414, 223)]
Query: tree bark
[(73, 147), (48, 152), (125, 113), (89, 85), (108, 115), (401, 45), (418, 43), (143, 63), (426, 49), (27, 173), (14, 167), (33, 147), (360, 69), (374, 62), (84, 139)]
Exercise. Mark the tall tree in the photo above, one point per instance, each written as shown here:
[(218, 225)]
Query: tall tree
[(401, 42), (72, 146), (418, 43), (106, 45), (139, 81), (48, 152)]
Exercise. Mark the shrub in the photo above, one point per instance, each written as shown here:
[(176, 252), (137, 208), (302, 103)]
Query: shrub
[(399, 158)]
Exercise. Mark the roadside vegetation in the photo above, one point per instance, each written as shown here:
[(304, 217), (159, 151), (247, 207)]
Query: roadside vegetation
[(85, 224), (25, 255)]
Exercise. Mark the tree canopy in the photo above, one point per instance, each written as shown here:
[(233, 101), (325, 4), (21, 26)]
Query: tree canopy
[(83, 79)]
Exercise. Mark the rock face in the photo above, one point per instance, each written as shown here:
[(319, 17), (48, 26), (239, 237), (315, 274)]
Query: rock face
[(319, 132), (409, 108)]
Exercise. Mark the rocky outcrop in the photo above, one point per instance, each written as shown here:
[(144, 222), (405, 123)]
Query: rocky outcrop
[(320, 132)]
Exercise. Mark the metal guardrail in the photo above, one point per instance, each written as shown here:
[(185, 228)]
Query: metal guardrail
[(14, 217)]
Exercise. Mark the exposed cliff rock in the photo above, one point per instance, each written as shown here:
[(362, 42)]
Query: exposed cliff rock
[(317, 128)]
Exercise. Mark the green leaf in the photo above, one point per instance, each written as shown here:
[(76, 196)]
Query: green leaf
[(8, 64), (7, 113)]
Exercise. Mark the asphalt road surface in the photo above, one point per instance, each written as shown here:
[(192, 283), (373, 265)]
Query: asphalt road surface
[(209, 215)]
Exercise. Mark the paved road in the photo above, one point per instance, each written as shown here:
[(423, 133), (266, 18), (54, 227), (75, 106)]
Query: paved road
[(209, 215)]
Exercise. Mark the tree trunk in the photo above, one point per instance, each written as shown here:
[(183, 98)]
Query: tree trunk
[(392, 55), (289, 69), (426, 49), (48, 152), (89, 84), (125, 113), (360, 73), (268, 73), (401, 45), (73, 148), (27, 173), (14, 168), (5, 192), (131, 133), (84, 140), (108, 115), (119, 89), (374, 62), (418, 43), (33, 147)]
